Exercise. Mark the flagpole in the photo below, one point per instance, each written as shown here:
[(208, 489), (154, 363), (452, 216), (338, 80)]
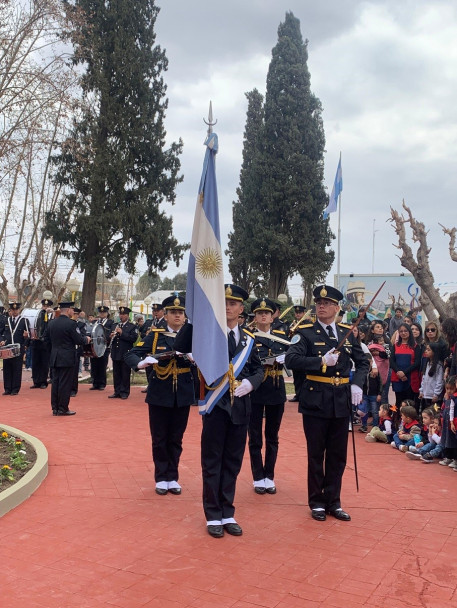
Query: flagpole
[(339, 241)]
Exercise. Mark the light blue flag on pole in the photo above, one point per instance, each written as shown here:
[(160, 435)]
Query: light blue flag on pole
[(336, 191), (205, 294)]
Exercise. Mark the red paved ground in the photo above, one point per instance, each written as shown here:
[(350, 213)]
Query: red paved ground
[(96, 535)]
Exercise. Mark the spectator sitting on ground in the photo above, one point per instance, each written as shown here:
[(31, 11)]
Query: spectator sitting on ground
[(427, 451), (384, 431), (403, 438)]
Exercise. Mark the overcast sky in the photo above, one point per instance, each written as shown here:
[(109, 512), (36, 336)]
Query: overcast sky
[(385, 72)]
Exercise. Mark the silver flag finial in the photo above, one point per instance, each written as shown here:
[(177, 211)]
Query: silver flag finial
[(210, 122)]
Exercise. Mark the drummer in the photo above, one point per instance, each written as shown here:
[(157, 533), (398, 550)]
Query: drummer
[(100, 364), (15, 332), (123, 338), (40, 350)]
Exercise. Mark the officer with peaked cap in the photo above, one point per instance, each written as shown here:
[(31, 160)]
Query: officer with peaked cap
[(325, 398), (123, 338), (170, 393), (40, 349), (100, 364), (16, 331)]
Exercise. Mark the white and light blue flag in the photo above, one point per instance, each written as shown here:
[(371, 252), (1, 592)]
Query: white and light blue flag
[(336, 191), (205, 294)]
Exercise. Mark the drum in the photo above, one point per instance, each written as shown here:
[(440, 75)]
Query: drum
[(35, 322), (10, 351), (97, 344)]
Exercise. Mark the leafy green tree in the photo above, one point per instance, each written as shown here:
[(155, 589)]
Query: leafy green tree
[(177, 283), (241, 266), (115, 167), (290, 235), (147, 283)]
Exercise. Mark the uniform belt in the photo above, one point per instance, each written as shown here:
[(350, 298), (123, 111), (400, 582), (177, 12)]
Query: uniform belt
[(335, 380)]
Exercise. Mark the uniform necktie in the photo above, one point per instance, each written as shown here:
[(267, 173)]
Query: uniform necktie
[(231, 343), (331, 333)]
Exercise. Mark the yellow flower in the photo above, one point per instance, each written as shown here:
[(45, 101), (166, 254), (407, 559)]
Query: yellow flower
[(5, 466), (4, 434), (18, 442)]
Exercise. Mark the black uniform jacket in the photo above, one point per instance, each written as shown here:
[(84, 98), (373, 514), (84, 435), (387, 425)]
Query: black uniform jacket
[(171, 378), (272, 390), (63, 335), (16, 336), (320, 399), (122, 343)]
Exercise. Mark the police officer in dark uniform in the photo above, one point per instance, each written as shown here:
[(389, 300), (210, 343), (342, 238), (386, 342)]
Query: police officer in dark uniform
[(278, 323), (16, 331), (123, 338), (267, 400), (64, 336), (158, 313), (325, 398), (99, 364), (170, 393), (40, 350), (299, 312), (82, 328), (225, 427)]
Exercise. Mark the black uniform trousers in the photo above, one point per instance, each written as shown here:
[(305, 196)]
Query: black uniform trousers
[(98, 370), (167, 426), (75, 384), (273, 417), (222, 449), (40, 362), (12, 373), (327, 440), (121, 378), (62, 381)]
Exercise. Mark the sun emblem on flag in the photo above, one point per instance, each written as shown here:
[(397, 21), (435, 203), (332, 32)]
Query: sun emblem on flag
[(209, 263)]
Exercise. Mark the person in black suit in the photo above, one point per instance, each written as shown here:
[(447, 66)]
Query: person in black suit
[(40, 350), (268, 400), (63, 336), (123, 338), (15, 331), (170, 393), (82, 328), (325, 398), (100, 364), (225, 427)]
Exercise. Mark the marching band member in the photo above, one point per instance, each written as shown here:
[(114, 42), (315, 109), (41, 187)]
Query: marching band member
[(40, 350), (170, 393), (99, 364), (268, 399), (123, 338), (325, 398), (16, 331), (81, 328)]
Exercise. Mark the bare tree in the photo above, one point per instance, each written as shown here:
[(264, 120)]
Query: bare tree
[(36, 98), (418, 264)]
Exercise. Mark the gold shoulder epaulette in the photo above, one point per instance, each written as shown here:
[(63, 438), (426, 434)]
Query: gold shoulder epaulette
[(279, 331), (305, 326), (344, 325), (248, 333), (157, 328)]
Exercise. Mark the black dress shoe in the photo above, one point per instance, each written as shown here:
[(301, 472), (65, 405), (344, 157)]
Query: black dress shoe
[(318, 515), (161, 491), (271, 490), (175, 491), (340, 514), (114, 396), (33, 386), (14, 393), (67, 413), (233, 529), (124, 397), (42, 386), (215, 531), (259, 490), (93, 388), (54, 412), (6, 393)]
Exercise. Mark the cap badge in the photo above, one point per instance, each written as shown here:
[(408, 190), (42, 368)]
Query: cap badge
[(228, 291), (263, 304), (176, 301), (323, 292)]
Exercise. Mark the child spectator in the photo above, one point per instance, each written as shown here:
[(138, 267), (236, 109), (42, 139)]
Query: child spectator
[(403, 438), (383, 432), (372, 390), (433, 448), (432, 381), (448, 436)]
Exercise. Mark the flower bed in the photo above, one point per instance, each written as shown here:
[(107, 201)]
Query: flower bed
[(16, 458)]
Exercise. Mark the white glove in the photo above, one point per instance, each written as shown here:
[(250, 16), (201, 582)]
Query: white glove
[(244, 388), (147, 361), (356, 394), (190, 357), (331, 358), (281, 358)]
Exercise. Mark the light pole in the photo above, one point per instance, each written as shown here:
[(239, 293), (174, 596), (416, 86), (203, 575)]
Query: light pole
[(73, 286), (147, 301)]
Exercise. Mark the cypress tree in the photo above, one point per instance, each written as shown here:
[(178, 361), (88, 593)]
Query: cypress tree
[(115, 165)]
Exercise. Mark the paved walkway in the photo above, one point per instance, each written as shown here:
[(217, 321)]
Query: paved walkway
[(96, 535)]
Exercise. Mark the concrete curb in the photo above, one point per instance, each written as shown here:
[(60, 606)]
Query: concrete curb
[(26, 486)]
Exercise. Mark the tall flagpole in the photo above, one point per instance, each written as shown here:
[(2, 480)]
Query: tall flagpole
[(339, 241)]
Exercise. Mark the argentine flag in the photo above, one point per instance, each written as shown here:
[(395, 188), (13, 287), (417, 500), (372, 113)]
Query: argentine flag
[(205, 294), (336, 191)]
